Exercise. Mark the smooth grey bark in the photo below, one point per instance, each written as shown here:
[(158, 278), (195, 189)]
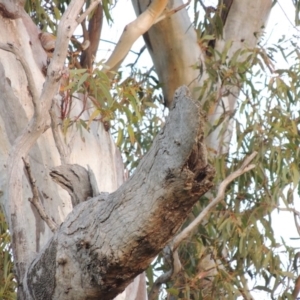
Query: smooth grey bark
[(108, 240)]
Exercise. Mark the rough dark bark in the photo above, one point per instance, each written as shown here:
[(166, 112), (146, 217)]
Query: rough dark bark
[(108, 240)]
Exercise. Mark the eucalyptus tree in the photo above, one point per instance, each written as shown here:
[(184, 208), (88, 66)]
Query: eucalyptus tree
[(78, 231)]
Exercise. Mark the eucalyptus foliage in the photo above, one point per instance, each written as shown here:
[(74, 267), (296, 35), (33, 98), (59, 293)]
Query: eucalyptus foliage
[(7, 282), (238, 234)]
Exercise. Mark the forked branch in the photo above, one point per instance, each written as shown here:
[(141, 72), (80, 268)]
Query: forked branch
[(36, 126), (245, 167), (100, 247), (133, 31), (172, 11), (152, 15)]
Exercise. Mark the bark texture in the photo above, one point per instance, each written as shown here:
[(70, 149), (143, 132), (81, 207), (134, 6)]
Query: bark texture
[(95, 148), (108, 240), (173, 46)]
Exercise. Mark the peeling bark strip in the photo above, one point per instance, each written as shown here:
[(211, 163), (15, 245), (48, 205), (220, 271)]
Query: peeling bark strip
[(107, 240)]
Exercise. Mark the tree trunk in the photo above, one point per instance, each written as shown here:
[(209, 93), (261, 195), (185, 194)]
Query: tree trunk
[(95, 149), (104, 242)]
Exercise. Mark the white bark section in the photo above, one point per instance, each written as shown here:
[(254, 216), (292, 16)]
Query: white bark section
[(93, 148), (96, 149), (245, 22), (16, 110), (133, 31), (172, 44)]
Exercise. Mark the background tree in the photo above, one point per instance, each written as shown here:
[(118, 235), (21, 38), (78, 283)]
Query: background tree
[(223, 249)]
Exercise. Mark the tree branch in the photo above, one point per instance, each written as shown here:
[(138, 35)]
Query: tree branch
[(87, 11), (102, 239), (295, 213), (174, 270), (93, 35), (34, 130), (35, 200), (245, 167), (186, 232), (296, 288), (60, 145), (31, 84), (133, 31), (172, 11), (68, 23)]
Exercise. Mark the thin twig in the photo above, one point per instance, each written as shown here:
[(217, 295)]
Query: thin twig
[(88, 11), (289, 209), (31, 83), (175, 269), (114, 43), (138, 56), (172, 12), (287, 17), (60, 145), (85, 33), (35, 200), (245, 291), (220, 196), (203, 6)]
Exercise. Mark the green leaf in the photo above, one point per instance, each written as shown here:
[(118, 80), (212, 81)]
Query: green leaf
[(93, 116), (131, 134), (262, 288), (82, 79), (106, 92), (120, 137)]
